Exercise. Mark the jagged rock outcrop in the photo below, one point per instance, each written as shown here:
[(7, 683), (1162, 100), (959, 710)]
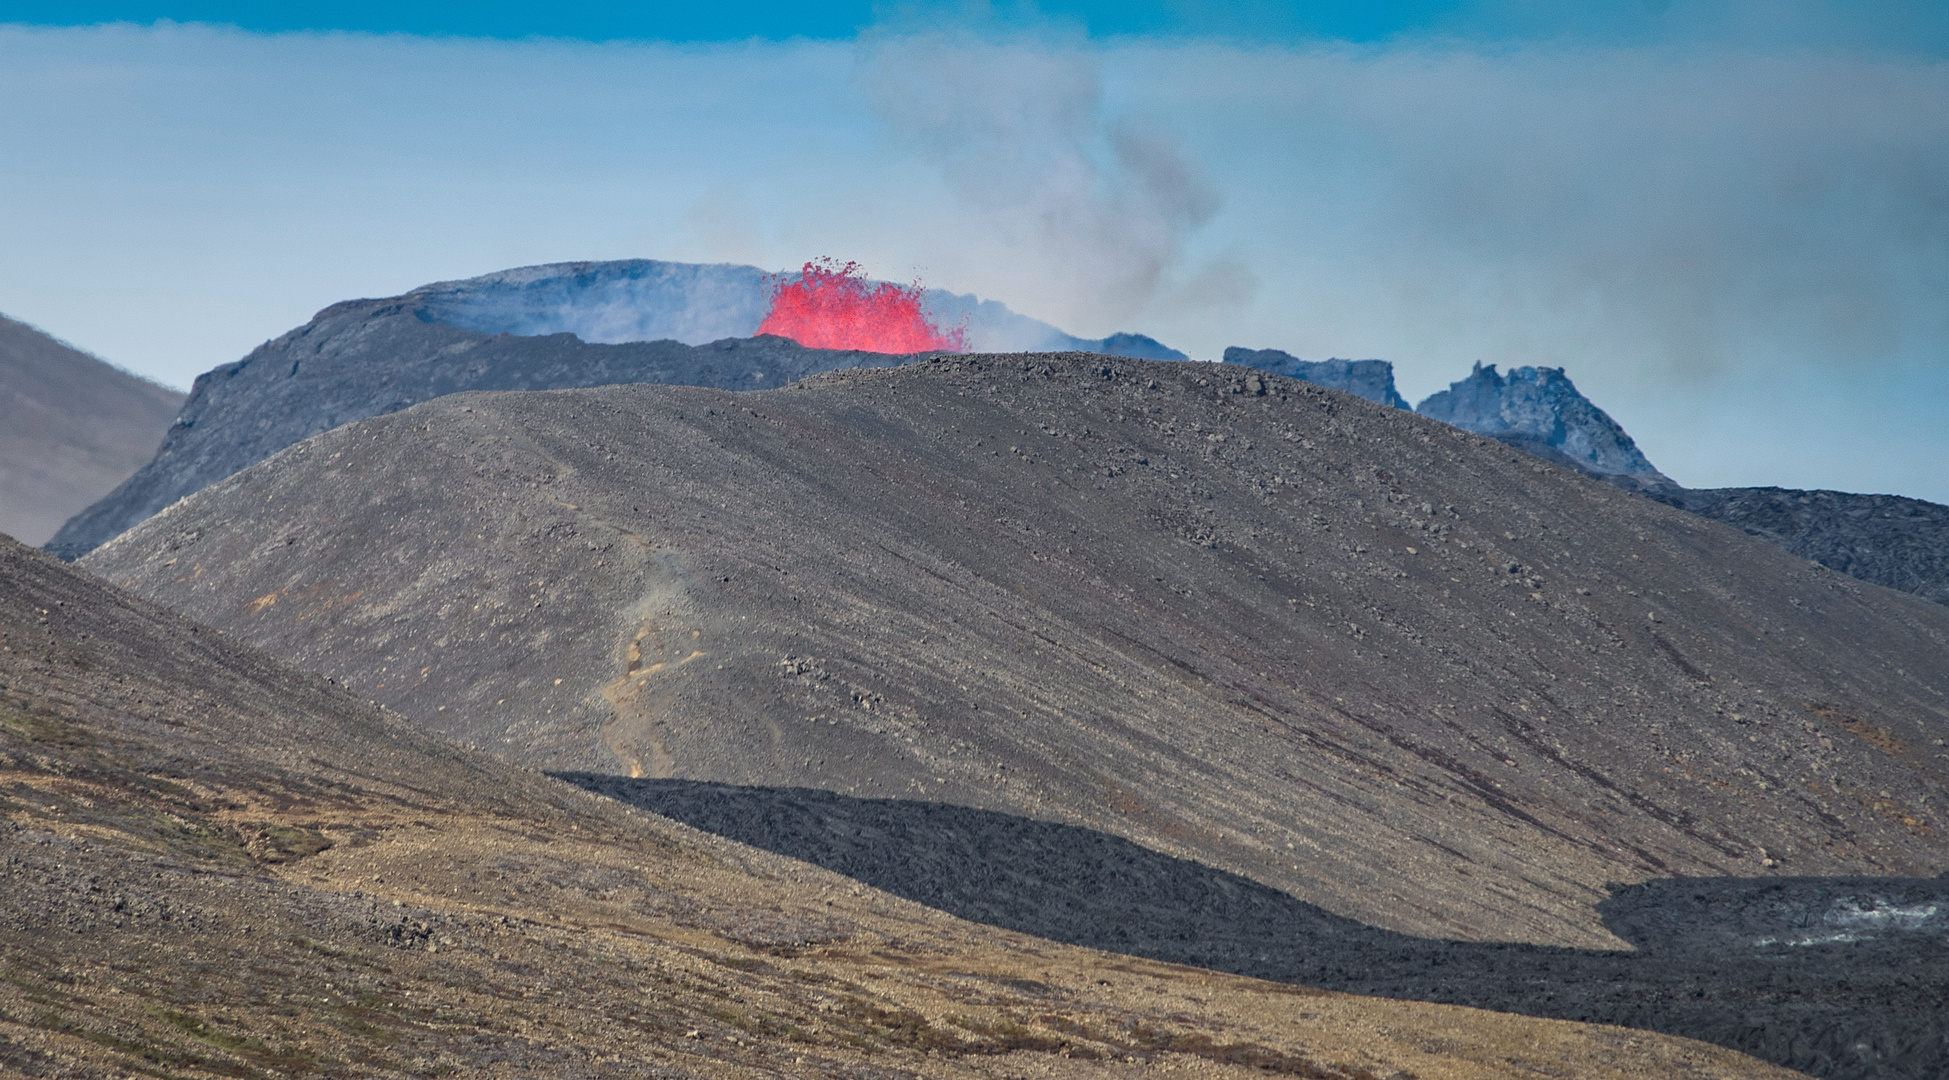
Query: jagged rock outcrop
[(1541, 411), (1371, 379), (71, 427), (1537, 410)]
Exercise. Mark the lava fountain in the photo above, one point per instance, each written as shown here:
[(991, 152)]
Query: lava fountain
[(832, 306)]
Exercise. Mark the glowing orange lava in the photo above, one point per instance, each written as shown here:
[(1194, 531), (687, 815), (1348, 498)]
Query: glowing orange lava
[(833, 306)]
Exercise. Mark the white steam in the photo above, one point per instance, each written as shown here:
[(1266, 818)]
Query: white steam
[(1089, 210)]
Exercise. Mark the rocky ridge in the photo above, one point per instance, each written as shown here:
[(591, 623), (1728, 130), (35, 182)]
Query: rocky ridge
[(1895, 542)]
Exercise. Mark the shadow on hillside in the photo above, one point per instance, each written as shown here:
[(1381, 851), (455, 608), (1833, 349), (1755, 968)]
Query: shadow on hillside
[(1836, 977)]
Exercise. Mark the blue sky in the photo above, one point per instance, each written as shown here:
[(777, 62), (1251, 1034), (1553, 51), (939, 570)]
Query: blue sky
[(772, 21), (1729, 221), (1909, 25)]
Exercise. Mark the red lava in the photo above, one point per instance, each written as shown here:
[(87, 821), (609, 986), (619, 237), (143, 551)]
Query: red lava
[(832, 306)]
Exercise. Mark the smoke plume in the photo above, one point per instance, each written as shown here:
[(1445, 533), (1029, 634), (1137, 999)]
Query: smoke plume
[(1092, 208)]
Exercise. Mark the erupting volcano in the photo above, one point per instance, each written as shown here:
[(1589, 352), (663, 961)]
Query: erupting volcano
[(833, 306)]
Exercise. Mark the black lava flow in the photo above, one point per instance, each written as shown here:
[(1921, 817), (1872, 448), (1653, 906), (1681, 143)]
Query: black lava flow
[(1841, 978)]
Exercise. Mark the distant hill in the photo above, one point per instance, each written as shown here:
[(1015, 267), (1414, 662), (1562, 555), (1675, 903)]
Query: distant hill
[(1898, 543), (71, 428), (1895, 542), (368, 358)]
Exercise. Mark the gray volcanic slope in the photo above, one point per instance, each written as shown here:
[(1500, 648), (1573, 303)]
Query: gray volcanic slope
[(369, 357), (1370, 660), (71, 428)]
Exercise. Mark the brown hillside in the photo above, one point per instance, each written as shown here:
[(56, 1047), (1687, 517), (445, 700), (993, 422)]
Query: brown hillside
[(1401, 671), (71, 428), (212, 864)]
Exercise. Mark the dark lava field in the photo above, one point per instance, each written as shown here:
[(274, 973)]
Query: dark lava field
[(1385, 682), (1829, 976)]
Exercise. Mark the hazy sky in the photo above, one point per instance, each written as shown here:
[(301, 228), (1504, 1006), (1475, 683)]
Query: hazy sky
[(1729, 222)]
